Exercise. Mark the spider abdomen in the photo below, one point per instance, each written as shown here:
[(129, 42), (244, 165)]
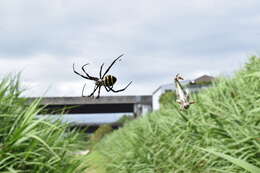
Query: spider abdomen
[(109, 80)]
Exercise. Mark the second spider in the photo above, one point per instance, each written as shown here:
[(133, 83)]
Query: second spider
[(107, 81)]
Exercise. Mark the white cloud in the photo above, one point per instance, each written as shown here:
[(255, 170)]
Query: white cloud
[(159, 38)]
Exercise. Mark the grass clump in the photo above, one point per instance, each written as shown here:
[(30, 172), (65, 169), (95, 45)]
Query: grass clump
[(220, 133), (30, 144), (99, 134)]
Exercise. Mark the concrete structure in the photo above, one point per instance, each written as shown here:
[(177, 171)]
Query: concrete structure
[(109, 104)]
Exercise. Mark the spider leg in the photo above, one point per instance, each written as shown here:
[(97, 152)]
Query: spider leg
[(100, 72), (82, 93), (96, 87), (111, 65), (86, 77), (90, 77), (115, 91), (107, 89), (178, 101), (98, 92)]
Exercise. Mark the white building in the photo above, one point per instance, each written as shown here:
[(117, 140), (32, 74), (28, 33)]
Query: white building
[(158, 92), (171, 87)]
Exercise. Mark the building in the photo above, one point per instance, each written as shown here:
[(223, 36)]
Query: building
[(204, 78), (192, 85), (200, 83), (158, 92)]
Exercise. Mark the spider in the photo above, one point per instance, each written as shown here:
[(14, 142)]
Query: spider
[(107, 81)]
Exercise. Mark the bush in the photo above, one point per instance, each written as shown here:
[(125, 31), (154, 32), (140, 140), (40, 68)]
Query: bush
[(167, 98)]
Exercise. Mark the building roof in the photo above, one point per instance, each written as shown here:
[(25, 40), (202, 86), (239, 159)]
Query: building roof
[(169, 86), (204, 78)]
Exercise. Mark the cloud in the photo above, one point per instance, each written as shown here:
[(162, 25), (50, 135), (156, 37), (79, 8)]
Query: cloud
[(44, 38)]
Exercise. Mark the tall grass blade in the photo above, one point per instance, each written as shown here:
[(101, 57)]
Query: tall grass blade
[(241, 163)]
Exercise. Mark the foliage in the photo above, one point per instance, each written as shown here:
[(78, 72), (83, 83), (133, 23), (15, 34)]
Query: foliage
[(167, 98), (30, 144), (247, 166), (100, 133), (125, 119), (220, 133)]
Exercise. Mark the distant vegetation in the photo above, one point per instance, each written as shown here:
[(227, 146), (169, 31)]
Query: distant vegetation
[(220, 133), (106, 129), (28, 144), (167, 98), (126, 119), (99, 134)]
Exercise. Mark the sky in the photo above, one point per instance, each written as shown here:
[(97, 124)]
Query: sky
[(43, 38)]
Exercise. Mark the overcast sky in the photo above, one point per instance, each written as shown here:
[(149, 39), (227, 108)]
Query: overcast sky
[(43, 38)]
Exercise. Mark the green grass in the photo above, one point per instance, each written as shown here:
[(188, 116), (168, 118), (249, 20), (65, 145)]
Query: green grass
[(29, 144), (218, 134)]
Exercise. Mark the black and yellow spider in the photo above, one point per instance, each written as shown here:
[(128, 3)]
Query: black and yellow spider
[(107, 81)]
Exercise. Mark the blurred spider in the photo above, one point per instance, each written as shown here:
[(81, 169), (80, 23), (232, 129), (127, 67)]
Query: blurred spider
[(107, 81), (183, 96)]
